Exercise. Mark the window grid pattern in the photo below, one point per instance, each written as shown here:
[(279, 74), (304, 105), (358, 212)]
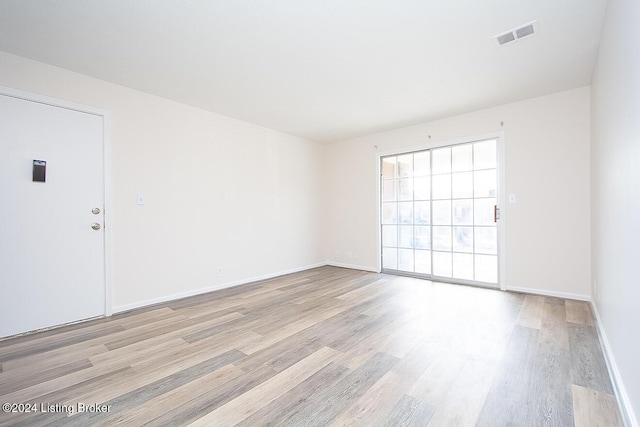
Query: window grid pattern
[(438, 212)]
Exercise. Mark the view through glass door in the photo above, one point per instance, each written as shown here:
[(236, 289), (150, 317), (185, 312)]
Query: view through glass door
[(439, 213)]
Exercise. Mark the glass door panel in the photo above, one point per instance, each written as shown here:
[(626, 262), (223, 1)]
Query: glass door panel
[(438, 213), (462, 158), (422, 262), (406, 213), (441, 209)]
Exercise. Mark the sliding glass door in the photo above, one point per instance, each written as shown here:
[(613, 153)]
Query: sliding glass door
[(439, 213)]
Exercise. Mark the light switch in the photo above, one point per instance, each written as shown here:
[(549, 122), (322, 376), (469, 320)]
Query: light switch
[(140, 199), (512, 198)]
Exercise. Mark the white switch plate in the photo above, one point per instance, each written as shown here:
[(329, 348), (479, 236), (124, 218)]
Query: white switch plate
[(140, 199), (512, 198)]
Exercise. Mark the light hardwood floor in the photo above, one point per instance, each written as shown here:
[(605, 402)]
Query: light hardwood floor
[(327, 346)]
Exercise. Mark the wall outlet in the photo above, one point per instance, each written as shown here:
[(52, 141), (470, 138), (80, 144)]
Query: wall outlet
[(337, 254), (140, 199), (349, 255), (218, 271)]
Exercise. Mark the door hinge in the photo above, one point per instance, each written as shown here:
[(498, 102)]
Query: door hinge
[(496, 213)]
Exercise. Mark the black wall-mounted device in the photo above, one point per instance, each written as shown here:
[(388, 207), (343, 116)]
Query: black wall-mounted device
[(39, 170)]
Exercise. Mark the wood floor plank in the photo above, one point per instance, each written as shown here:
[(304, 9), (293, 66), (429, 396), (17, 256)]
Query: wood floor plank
[(515, 374), (323, 346), (92, 346), (549, 395), (553, 328), (57, 395), (532, 311), (400, 335), (53, 358), (155, 336), (500, 410), (433, 385), (361, 294), (479, 337), (322, 408), (283, 353), (376, 404), (10, 353), (215, 398), (233, 321), (579, 312), (329, 290), (160, 313), (35, 391), (287, 331), (588, 367), (296, 397), (463, 403), (361, 352), (555, 310), (410, 412), (145, 331), (127, 400), (18, 379), (213, 309), (362, 327), (244, 406), (273, 324), (419, 358), (180, 395), (299, 345), (595, 409), (55, 333), (152, 369), (125, 356), (552, 333), (66, 335)]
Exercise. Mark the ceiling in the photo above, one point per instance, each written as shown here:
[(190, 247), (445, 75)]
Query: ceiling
[(324, 70)]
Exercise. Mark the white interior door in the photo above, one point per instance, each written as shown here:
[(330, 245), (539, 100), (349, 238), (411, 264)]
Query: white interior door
[(52, 267)]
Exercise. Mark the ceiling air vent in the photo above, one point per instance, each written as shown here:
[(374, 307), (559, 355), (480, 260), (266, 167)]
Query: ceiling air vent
[(506, 38), (525, 31), (515, 34)]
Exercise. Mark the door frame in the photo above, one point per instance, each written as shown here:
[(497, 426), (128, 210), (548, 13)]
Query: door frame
[(501, 199), (106, 159)]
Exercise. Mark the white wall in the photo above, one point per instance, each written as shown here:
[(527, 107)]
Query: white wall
[(219, 192), (547, 167), (615, 173)]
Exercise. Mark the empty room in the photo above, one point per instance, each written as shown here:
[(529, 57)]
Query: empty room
[(319, 213)]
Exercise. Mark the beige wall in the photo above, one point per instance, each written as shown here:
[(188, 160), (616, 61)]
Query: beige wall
[(547, 167), (220, 193), (615, 161)]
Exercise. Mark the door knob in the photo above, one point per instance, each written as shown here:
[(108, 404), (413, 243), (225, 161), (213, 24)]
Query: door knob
[(95, 211), (95, 226)]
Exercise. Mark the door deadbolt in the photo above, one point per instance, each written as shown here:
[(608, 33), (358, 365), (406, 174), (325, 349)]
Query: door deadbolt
[(95, 226), (95, 211)]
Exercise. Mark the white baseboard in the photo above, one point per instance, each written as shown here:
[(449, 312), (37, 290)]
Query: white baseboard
[(624, 402), (565, 295), (172, 297), (353, 267)]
